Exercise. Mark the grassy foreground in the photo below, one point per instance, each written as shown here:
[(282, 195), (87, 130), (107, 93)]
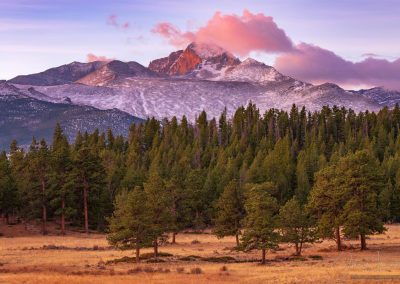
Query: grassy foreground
[(27, 257)]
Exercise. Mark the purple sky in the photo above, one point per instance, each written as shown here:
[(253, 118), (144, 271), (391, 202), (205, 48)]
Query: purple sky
[(354, 43)]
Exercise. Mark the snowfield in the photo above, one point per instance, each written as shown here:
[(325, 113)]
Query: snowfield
[(161, 97)]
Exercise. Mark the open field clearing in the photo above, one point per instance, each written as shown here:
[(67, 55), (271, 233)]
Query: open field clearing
[(196, 258)]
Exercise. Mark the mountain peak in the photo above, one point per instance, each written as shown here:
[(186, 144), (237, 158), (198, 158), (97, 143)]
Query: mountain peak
[(250, 61), (206, 50), (182, 62)]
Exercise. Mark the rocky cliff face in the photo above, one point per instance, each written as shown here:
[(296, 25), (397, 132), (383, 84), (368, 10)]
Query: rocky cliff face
[(185, 63), (195, 55), (162, 65)]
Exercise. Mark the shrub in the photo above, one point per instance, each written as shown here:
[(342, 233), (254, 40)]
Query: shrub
[(135, 270), (154, 260), (224, 268), (297, 258), (222, 259), (190, 258), (101, 263), (122, 259), (315, 257), (149, 269), (180, 269), (196, 270), (151, 255)]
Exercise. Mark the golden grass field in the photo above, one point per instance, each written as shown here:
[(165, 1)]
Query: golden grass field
[(82, 259)]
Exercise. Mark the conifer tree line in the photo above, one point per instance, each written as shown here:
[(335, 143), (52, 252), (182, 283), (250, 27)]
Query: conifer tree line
[(267, 178)]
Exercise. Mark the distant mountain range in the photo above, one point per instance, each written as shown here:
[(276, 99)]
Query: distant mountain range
[(201, 77), (23, 117)]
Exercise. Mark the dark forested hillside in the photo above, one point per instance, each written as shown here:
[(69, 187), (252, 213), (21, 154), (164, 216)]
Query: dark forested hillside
[(23, 117), (218, 172)]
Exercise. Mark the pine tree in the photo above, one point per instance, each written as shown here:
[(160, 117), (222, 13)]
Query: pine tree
[(89, 175), (362, 179), (326, 202), (384, 199), (279, 169), (296, 224), (230, 212), (61, 163), (159, 208), (194, 190), (38, 173), (131, 224), (180, 204), (8, 189), (395, 200), (43, 172), (260, 223)]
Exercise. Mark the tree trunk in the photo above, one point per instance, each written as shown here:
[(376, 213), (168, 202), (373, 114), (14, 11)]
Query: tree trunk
[(338, 240), (263, 256), (44, 210), (173, 238), (137, 254), (155, 243), (44, 220), (237, 239), (363, 242), (297, 249), (62, 216), (7, 219), (85, 206), (301, 247)]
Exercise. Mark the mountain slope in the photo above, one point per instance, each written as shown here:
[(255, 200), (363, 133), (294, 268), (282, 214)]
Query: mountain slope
[(382, 96), (167, 97), (64, 74), (22, 117), (115, 70)]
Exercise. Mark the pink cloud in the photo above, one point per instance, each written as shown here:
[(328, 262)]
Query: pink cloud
[(242, 34), (317, 65), (112, 20), (173, 34), (237, 34), (90, 57), (125, 26)]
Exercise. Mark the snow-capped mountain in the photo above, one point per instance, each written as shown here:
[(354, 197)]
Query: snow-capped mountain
[(201, 77), (381, 95)]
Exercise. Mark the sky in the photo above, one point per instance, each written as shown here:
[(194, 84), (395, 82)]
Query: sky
[(354, 43)]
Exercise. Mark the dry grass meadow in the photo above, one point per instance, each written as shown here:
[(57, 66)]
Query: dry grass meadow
[(28, 257)]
